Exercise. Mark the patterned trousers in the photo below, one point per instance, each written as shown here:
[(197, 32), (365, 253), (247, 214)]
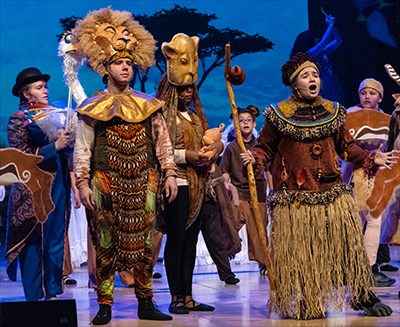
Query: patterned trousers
[(106, 256)]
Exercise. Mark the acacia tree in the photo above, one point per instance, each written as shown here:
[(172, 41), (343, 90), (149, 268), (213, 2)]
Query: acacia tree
[(67, 24), (164, 24)]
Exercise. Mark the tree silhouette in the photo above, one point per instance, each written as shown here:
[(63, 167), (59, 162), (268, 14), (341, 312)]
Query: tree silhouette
[(67, 24), (164, 24)]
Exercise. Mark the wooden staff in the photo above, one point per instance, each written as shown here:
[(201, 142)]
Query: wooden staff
[(67, 120), (250, 174)]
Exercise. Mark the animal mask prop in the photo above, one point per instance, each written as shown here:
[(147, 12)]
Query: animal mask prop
[(20, 167), (71, 63), (182, 59), (370, 127), (386, 180), (392, 73), (106, 35), (211, 136)]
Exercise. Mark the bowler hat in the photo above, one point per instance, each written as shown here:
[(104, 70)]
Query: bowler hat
[(28, 76)]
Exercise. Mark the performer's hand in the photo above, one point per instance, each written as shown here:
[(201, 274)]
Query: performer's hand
[(2, 192), (77, 199), (196, 158), (330, 20), (228, 186), (62, 140), (86, 196), (216, 147), (247, 158), (386, 159), (171, 188)]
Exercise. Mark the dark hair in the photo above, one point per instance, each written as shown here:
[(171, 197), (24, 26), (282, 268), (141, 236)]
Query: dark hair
[(394, 130), (252, 110), (231, 135), (22, 99), (304, 42), (291, 65)]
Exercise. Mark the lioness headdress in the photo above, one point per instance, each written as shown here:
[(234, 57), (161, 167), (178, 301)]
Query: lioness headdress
[(105, 35), (182, 59)]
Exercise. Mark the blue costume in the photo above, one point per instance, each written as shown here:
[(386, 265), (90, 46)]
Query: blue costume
[(39, 247)]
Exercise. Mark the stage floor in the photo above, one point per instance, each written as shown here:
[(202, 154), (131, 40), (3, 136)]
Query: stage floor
[(243, 304)]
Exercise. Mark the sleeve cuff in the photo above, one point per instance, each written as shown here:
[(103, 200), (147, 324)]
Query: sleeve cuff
[(48, 151), (170, 170), (370, 168), (81, 183), (180, 156), (259, 167)]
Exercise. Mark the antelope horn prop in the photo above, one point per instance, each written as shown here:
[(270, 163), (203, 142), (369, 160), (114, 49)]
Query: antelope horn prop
[(236, 76), (392, 73)]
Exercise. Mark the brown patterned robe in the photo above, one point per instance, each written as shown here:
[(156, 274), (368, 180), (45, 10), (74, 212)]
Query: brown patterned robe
[(316, 238)]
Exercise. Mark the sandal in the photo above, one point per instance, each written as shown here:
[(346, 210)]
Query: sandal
[(173, 308), (263, 269), (199, 307)]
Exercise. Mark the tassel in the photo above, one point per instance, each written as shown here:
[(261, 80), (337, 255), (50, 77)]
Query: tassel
[(150, 200), (96, 196), (284, 188), (300, 179), (151, 192), (298, 199), (345, 149)]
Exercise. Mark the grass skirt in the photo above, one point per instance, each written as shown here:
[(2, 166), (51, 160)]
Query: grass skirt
[(318, 252)]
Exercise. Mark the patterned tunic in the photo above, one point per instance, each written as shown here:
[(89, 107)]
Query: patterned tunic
[(312, 209)]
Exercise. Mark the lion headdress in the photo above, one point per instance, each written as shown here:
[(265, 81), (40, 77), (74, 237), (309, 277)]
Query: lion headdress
[(106, 35)]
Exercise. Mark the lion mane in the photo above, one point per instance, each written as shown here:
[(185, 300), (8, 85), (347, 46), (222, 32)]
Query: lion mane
[(84, 32)]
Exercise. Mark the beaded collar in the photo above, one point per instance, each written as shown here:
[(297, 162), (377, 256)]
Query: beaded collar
[(302, 120)]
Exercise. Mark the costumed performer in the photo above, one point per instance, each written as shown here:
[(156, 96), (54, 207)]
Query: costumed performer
[(312, 210), (38, 246), (307, 42), (370, 92), (391, 216), (186, 123), (121, 133), (231, 169)]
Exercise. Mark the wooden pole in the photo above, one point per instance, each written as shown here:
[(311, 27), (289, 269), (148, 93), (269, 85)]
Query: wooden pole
[(67, 120), (273, 284)]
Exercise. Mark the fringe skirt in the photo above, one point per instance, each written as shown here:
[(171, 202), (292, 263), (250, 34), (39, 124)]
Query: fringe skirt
[(318, 253)]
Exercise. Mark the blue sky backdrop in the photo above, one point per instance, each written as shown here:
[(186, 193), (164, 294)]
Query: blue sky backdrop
[(28, 32)]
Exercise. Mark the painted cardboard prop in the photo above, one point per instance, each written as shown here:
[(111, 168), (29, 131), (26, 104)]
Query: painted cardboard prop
[(182, 59), (390, 231), (386, 180), (19, 167), (372, 127)]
